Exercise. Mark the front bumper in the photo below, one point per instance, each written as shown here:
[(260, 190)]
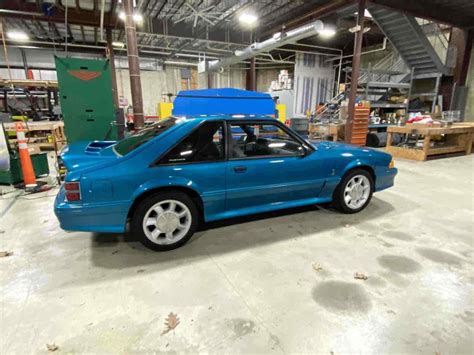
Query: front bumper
[(103, 217), (385, 178)]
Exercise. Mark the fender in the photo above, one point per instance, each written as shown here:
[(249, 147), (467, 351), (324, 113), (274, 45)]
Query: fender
[(165, 182), (357, 163)]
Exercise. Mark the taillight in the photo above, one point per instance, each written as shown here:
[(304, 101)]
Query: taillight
[(73, 191)]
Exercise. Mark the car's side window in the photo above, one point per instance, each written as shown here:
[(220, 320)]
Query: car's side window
[(250, 140), (205, 144)]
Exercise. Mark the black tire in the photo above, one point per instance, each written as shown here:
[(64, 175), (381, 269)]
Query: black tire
[(338, 196), (136, 226)]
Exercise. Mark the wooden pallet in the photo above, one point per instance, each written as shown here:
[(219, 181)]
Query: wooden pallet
[(458, 140), (46, 135)]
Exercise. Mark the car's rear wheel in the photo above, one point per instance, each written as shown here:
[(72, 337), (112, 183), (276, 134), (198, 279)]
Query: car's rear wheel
[(165, 220), (354, 192)]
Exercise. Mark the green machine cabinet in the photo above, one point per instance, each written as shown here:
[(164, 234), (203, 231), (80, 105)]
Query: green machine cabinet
[(15, 175), (87, 105)]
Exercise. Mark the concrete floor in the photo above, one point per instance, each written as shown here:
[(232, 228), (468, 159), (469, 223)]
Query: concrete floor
[(250, 286)]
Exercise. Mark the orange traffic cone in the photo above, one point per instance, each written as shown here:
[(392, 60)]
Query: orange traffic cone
[(29, 177)]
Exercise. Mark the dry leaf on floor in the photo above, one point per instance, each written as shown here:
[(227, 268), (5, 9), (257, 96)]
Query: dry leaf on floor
[(360, 276), (4, 254), (317, 267), (52, 347), (171, 323)]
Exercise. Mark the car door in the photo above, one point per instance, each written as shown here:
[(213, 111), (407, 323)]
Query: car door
[(268, 165), (198, 161)]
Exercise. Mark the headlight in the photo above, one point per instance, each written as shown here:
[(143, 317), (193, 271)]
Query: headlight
[(392, 164)]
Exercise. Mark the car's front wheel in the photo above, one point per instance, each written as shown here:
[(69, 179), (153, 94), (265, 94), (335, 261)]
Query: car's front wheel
[(165, 220), (354, 191)]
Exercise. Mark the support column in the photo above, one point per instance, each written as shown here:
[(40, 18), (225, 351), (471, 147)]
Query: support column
[(252, 76), (133, 65), (113, 74), (462, 41), (355, 68)]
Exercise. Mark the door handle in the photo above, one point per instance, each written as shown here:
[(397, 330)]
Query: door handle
[(240, 169)]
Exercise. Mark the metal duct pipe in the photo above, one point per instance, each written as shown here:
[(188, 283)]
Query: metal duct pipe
[(276, 41), (25, 13), (102, 9), (133, 65)]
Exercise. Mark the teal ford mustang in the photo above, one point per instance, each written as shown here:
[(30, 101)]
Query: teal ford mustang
[(170, 176)]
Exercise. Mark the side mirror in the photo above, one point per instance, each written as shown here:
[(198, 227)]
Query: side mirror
[(303, 152)]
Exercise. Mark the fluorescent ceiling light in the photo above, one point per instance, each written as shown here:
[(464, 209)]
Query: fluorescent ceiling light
[(136, 17), (248, 18), (327, 32), (118, 44), (18, 36)]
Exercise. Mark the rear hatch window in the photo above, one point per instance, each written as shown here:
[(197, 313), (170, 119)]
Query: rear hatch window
[(139, 138)]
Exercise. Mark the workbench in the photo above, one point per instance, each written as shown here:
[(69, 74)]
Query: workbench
[(458, 139), (331, 131)]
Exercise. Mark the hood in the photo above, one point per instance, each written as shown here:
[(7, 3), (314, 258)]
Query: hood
[(344, 149), (85, 154), (332, 145)]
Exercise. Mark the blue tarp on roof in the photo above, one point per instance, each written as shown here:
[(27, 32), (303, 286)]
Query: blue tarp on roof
[(226, 101)]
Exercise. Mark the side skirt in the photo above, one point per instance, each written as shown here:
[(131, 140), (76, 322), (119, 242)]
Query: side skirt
[(267, 208)]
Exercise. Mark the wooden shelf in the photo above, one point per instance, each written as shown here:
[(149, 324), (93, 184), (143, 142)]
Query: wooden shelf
[(29, 83)]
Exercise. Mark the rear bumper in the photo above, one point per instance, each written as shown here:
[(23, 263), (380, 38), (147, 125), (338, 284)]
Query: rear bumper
[(385, 178), (103, 217)]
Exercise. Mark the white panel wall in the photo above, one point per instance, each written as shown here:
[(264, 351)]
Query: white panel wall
[(313, 82), (154, 85), (234, 78)]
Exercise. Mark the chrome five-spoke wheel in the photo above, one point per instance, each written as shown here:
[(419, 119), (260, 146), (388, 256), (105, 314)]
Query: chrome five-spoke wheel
[(354, 192), (167, 222), (357, 191)]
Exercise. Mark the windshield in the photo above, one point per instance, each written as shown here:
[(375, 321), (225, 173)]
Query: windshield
[(132, 142)]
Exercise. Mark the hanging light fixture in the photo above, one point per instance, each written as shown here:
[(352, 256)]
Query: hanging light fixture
[(248, 18), (18, 36)]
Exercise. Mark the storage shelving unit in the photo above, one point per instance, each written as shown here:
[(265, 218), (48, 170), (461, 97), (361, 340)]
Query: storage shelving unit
[(43, 92)]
